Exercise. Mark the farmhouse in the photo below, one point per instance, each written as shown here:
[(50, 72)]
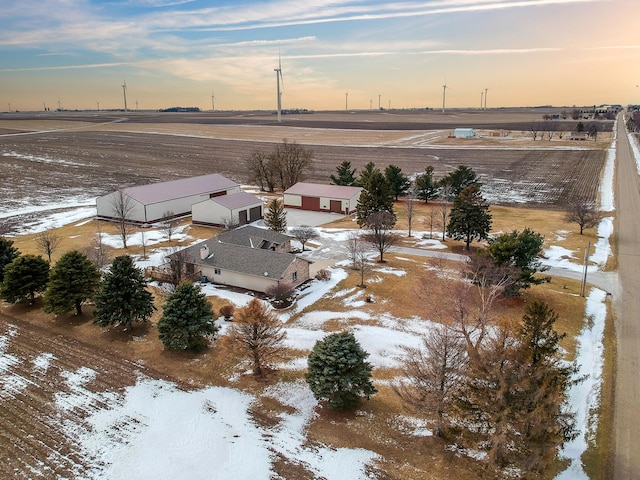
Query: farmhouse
[(247, 257), (322, 198), (464, 133), (233, 209), (151, 203)]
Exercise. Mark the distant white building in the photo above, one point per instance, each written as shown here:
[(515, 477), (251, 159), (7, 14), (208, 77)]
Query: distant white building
[(464, 133), (322, 198), (151, 203), (236, 209)]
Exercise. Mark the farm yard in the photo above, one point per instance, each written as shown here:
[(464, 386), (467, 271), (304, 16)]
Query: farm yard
[(97, 384)]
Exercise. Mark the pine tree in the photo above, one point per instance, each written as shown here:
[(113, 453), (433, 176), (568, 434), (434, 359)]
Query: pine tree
[(338, 371), (8, 253), (459, 179), (23, 278), (513, 399), (368, 170), (376, 196), (72, 280), (258, 332), (123, 297), (519, 251), (397, 180), (187, 318), (276, 217), (345, 175), (469, 218), (426, 186)]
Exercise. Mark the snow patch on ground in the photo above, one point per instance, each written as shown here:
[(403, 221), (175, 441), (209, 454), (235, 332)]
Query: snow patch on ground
[(584, 397)]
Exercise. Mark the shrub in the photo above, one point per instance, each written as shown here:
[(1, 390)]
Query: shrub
[(227, 311)]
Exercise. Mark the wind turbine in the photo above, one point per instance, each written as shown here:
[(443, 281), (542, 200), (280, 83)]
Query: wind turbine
[(124, 91), (278, 80), (213, 101), (485, 98), (346, 101), (444, 95), (481, 93)]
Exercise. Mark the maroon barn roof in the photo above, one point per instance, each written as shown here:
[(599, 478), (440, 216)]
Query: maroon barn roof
[(323, 190)]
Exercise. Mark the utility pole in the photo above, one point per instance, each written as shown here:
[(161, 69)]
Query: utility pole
[(586, 263)]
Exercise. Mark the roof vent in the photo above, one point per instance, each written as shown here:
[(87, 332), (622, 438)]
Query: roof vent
[(204, 251), (266, 274)]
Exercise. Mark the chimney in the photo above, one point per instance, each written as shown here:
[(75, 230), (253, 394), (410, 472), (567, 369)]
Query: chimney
[(204, 251)]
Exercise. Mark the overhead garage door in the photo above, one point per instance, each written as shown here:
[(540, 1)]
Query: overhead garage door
[(311, 203), (242, 217), (255, 213), (335, 206)]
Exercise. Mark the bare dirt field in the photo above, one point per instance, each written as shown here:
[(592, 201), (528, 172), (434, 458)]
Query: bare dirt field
[(75, 158)]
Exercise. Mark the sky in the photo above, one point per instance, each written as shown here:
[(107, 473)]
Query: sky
[(334, 55)]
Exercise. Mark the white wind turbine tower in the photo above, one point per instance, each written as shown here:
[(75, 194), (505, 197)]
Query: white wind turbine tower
[(124, 91), (279, 92), (444, 95), (213, 101)]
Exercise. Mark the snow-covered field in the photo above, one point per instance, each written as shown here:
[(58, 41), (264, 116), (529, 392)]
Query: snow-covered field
[(155, 430)]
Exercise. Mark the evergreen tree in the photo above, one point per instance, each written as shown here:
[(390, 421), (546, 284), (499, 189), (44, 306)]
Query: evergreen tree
[(397, 180), (8, 253), (258, 332), (513, 399), (459, 179), (187, 318), (376, 196), (426, 186), (276, 217), (368, 170), (520, 251), (72, 280), (123, 297), (338, 371), (469, 218), (23, 278), (345, 175)]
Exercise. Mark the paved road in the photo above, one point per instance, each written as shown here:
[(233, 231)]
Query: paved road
[(626, 461)]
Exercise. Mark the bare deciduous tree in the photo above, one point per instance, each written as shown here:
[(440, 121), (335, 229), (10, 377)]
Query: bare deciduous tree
[(170, 225), (177, 262), (410, 207), (293, 162), (446, 198), (122, 207), (584, 213), (303, 234), (258, 332), (432, 220), (380, 234), (282, 294), (47, 243), (98, 252)]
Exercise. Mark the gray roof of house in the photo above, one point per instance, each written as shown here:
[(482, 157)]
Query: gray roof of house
[(322, 190), (237, 258), (184, 187), (236, 200), (251, 236)]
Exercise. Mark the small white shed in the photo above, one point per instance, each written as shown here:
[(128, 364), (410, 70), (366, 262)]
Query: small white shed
[(464, 133), (237, 209)]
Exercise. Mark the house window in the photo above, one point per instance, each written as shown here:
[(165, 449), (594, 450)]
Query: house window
[(294, 276), (216, 271)]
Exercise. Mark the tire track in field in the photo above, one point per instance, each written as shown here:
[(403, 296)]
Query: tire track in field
[(46, 382)]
